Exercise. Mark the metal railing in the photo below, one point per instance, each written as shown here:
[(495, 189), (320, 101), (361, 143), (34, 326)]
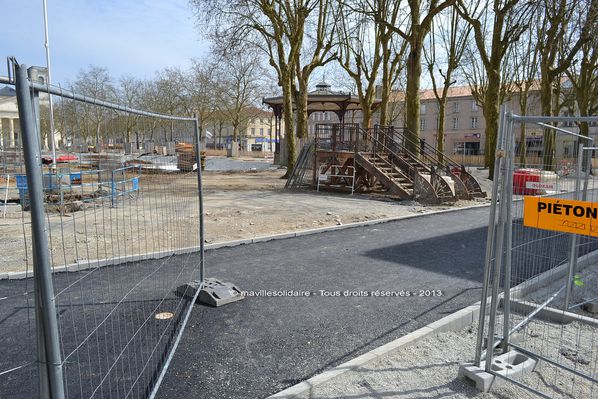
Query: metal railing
[(337, 172)]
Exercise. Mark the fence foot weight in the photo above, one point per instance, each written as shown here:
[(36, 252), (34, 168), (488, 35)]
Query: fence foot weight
[(511, 365), (483, 380), (213, 293)]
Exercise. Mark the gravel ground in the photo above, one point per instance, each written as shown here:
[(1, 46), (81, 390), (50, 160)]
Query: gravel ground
[(585, 290), (428, 369)]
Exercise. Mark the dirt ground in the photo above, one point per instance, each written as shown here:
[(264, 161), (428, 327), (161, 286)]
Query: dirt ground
[(165, 216)]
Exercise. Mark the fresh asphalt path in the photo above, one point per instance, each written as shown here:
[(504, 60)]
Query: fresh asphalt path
[(261, 345)]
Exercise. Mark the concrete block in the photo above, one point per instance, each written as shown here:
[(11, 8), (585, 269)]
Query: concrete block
[(483, 380), (512, 365), (591, 307), (213, 292)]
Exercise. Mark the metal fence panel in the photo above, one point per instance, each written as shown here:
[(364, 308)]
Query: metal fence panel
[(121, 212), (540, 279)]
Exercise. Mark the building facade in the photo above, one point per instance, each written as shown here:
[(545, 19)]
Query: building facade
[(255, 133), (465, 125)]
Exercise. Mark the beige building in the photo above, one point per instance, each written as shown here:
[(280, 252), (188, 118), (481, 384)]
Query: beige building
[(255, 134), (464, 128), (9, 118)]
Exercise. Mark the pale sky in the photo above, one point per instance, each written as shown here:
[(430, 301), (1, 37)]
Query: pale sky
[(136, 37)]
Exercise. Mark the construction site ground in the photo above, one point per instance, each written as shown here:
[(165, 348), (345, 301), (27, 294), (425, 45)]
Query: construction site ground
[(247, 200)]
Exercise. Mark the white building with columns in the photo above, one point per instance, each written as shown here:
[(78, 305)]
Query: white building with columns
[(9, 119)]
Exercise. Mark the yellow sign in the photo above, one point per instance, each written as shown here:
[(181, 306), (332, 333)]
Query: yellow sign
[(578, 217)]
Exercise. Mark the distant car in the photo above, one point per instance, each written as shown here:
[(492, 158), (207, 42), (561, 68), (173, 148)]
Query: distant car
[(46, 160), (66, 158)]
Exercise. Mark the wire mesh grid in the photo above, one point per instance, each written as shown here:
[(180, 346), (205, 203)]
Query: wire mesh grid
[(541, 315), (122, 219), (18, 362)]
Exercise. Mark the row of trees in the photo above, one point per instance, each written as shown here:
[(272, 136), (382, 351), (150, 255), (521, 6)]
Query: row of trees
[(497, 46), (219, 90)]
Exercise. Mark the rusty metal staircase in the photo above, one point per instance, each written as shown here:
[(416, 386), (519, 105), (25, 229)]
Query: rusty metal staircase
[(399, 172), (386, 174), (380, 159), (431, 160)]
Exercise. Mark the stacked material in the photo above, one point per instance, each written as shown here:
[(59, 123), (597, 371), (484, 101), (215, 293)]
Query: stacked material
[(187, 157)]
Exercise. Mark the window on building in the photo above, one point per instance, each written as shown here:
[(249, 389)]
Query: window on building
[(455, 123), (437, 123), (269, 132), (422, 124), (253, 131), (423, 109), (474, 122), (467, 148), (317, 116), (474, 106), (455, 107), (261, 131)]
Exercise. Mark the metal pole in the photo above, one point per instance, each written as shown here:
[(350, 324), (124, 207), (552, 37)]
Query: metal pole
[(490, 239), (201, 206), (47, 45), (497, 265), (6, 196), (45, 300), (508, 198), (574, 237)]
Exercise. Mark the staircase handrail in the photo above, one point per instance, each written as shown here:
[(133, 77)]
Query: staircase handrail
[(429, 153)]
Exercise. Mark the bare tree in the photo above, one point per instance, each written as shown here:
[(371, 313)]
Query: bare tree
[(525, 77), (559, 46), (448, 39), (201, 86), (584, 78), (170, 98), (421, 13), (129, 94), (279, 28), (239, 90), (316, 50), (503, 22), (368, 51), (94, 82)]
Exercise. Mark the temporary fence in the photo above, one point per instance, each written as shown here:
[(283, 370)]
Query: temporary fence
[(538, 330), (96, 240)]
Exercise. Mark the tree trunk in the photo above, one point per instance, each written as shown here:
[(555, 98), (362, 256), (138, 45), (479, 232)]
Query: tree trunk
[(414, 71), (491, 114), (523, 110), (441, 118), (366, 114), (287, 90), (549, 150), (302, 110)]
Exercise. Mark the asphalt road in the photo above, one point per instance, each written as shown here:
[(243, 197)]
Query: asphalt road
[(366, 286), (261, 345)]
